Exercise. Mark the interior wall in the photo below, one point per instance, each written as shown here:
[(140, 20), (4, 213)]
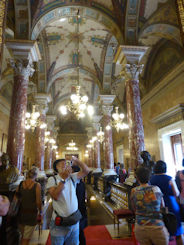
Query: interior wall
[(167, 94)]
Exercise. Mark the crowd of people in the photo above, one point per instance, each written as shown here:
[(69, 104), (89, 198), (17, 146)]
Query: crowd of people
[(154, 191)]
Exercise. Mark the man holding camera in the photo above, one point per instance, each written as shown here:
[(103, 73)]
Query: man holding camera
[(64, 226)]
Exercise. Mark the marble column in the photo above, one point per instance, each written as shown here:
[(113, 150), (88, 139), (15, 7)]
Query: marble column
[(108, 141), (132, 70), (42, 100), (48, 160), (90, 150), (96, 126), (24, 53)]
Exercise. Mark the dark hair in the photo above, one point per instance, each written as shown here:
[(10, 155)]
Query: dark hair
[(32, 173), (143, 174), (56, 163), (160, 167)]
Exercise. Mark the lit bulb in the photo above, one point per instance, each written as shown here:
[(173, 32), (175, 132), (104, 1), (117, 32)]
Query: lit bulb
[(121, 116), (43, 125), (82, 107), (115, 116), (90, 110), (28, 115), (81, 115), (33, 122), (108, 127), (84, 98), (27, 126), (75, 98), (63, 110)]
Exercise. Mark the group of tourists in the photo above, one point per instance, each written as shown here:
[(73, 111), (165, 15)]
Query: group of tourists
[(155, 190)]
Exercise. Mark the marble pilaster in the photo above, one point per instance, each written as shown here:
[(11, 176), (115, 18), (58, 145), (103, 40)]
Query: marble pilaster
[(24, 52), (108, 141)]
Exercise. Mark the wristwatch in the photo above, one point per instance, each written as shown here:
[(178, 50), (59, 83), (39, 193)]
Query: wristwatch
[(63, 181)]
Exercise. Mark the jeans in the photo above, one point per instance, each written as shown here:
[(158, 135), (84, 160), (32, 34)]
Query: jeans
[(68, 235)]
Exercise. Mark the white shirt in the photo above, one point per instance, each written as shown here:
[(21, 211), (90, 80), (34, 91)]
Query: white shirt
[(67, 202)]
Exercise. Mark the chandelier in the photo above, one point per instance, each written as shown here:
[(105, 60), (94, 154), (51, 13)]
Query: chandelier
[(77, 104), (50, 140), (100, 135), (32, 120), (72, 146), (117, 121), (86, 154)]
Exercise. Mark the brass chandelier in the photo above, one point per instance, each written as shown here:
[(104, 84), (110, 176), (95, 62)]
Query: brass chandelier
[(117, 121), (32, 120)]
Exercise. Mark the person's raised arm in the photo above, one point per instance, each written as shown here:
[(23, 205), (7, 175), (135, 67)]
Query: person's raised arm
[(84, 168), (56, 190)]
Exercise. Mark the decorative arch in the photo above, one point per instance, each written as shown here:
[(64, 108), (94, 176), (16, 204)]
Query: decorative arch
[(161, 61), (55, 14), (166, 31), (67, 69)]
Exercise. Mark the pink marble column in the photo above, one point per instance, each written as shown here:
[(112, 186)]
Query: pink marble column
[(53, 155), (132, 69), (90, 158), (107, 108), (108, 142), (42, 100), (40, 143), (97, 154), (134, 112), (16, 132), (48, 160)]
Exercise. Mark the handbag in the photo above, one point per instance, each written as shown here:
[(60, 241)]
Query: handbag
[(15, 203), (170, 221), (68, 221)]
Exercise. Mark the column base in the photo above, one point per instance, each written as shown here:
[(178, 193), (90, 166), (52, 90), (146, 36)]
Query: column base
[(131, 180), (109, 172), (49, 172), (96, 175), (97, 170), (41, 174)]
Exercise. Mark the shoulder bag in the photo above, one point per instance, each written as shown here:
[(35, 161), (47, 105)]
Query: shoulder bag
[(15, 203), (170, 221)]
